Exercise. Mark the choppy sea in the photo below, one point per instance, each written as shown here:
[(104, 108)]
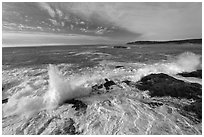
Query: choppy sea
[(37, 80)]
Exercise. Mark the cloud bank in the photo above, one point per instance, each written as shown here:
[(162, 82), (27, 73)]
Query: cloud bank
[(103, 22), (161, 21)]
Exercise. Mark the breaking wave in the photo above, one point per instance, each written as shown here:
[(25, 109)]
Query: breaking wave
[(185, 62), (23, 103), (60, 89), (26, 103)]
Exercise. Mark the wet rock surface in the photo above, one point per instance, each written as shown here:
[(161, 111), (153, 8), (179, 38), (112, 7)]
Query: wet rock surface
[(119, 66), (78, 105), (120, 47), (157, 104), (163, 85), (196, 74), (195, 107), (4, 100), (108, 84), (160, 85)]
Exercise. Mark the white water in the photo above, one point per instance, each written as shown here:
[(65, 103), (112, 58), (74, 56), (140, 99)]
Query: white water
[(61, 89), (185, 62), (26, 103), (23, 103)]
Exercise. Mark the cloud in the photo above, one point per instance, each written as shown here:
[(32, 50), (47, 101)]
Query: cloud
[(54, 22), (130, 20), (48, 8), (101, 31), (59, 12), (153, 20)]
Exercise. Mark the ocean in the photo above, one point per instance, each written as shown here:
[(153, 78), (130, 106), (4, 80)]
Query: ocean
[(37, 81)]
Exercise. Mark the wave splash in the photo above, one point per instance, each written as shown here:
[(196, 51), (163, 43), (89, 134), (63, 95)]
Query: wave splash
[(26, 103), (185, 62), (60, 89), (23, 103)]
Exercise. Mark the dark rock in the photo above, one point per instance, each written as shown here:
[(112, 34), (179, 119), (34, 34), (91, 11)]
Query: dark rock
[(127, 82), (130, 83), (164, 85), (100, 86), (69, 127), (119, 66), (108, 84), (77, 104), (154, 104), (96, 87), (196, 74), (4, 100), (195, 107), (120, 47), (161, 85), (104, 87), (194, 41)]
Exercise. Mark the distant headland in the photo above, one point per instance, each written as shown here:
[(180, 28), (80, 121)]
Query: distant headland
[(193, 41)]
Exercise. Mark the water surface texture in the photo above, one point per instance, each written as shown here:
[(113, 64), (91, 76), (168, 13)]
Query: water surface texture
[(102, 89)]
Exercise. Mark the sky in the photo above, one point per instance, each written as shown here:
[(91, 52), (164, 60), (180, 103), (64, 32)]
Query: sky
[(70, 23)]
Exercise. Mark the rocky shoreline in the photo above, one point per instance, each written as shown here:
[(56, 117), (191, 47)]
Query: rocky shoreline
[(157, 104)]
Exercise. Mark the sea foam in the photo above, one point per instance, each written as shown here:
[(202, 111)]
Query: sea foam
[(60, 89), (23, 103), (185, 62), (26, 103)]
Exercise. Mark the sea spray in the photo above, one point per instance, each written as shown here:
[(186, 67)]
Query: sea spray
[(185, 62), (23, 103), (61, 89)]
